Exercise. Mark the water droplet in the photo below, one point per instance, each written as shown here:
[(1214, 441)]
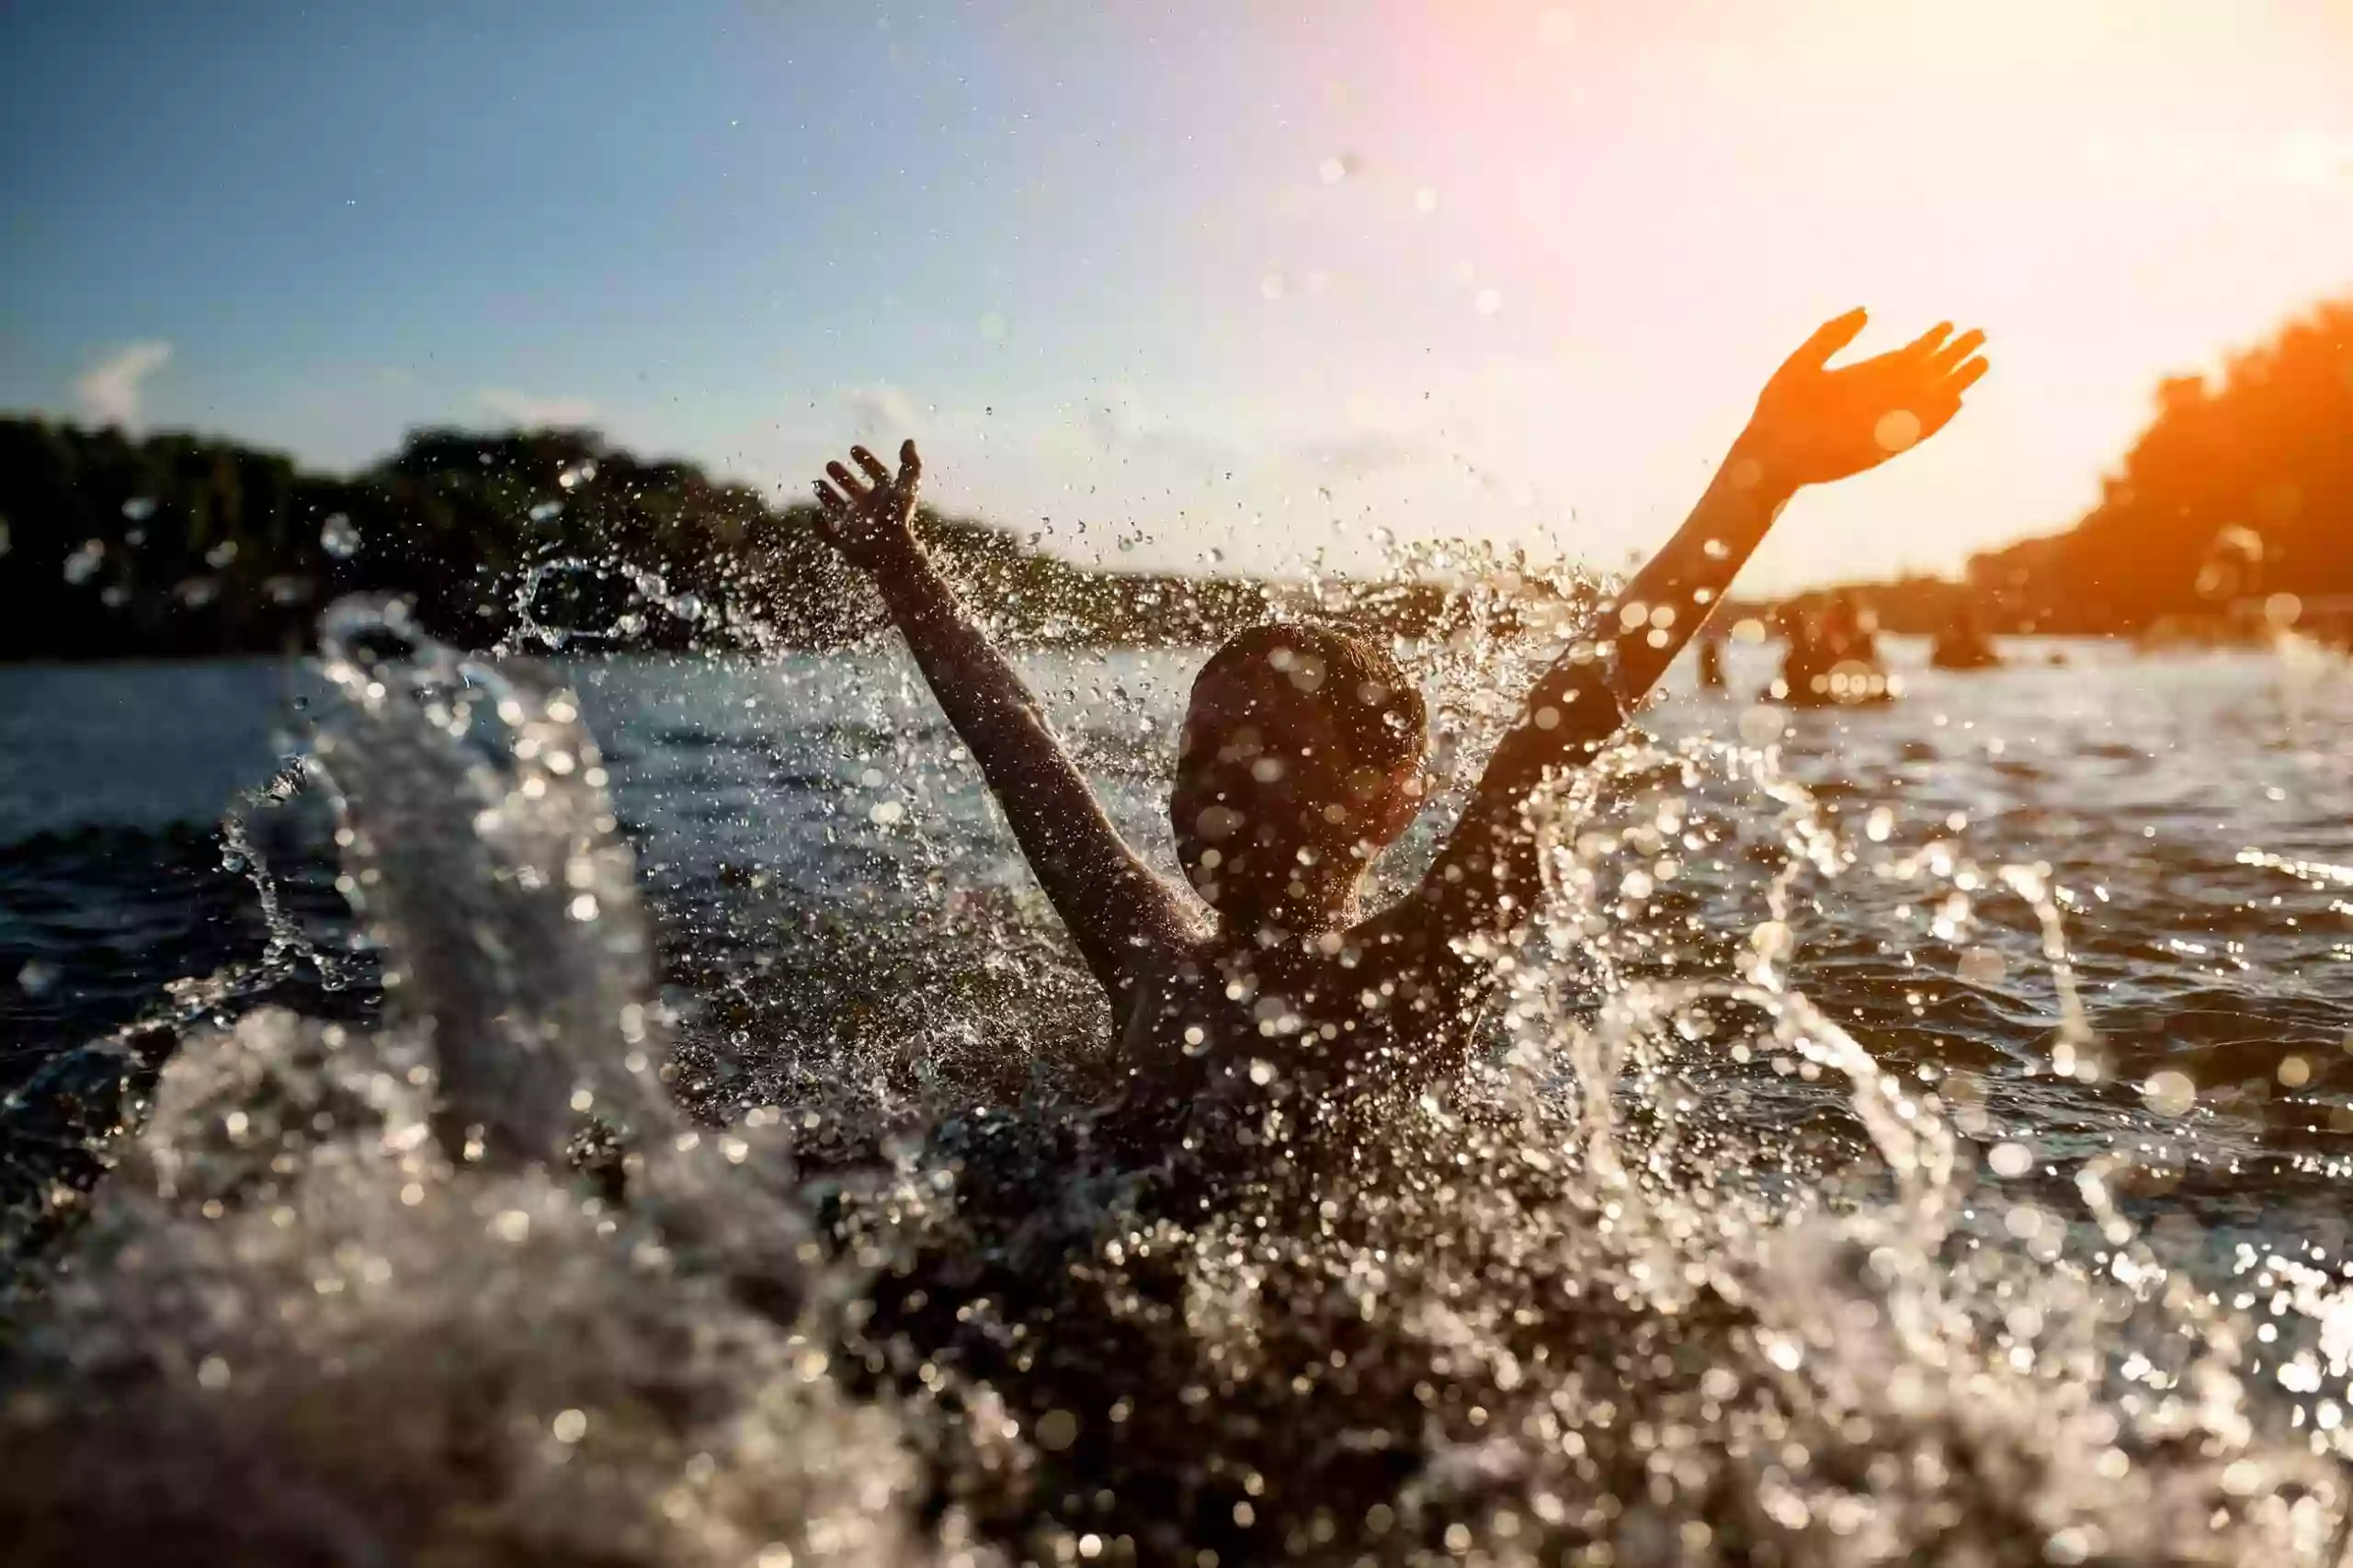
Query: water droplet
[(2009, 1159), (570, 1425), (1426, 200), (339, 536), (83, 564), (1897, 429), (37, 977), (882, 813), (1488, 303), (2169, 1093), (1057, 1430), (1761, 724)]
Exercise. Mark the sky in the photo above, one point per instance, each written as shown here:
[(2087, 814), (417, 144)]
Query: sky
[(1229, 285)]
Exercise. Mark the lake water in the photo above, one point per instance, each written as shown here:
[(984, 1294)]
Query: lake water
[(1973, 1189)]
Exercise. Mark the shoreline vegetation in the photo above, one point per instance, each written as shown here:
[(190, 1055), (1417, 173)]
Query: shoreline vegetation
[(2231, 515), (2231, 511), (176, 545)]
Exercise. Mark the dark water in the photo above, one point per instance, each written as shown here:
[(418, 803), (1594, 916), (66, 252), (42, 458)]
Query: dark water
[(2193, 811), (2088, 925)]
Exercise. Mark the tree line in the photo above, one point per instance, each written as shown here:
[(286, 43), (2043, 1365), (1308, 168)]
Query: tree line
[(2240, 488), (178, 545)]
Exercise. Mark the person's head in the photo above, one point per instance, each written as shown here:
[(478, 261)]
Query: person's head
[(1301, 760)]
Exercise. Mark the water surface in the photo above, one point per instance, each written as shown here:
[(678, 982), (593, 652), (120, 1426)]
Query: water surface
[(2036, 988)]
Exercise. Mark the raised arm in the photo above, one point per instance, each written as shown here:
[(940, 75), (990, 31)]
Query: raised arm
[(1107, 899), (1813, 424)]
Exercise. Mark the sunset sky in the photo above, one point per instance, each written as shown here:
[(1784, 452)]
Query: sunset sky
[(1260, 278)]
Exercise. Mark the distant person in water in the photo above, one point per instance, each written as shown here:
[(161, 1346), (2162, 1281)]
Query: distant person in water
[(1962, 643), (1301, 759), (1833, 658), (1711, 663)]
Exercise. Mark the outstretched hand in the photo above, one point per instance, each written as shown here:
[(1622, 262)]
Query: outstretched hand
[(863, 518), (1815, 423)]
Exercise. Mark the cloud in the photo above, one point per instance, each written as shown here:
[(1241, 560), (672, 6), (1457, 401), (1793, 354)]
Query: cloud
[(2308, 159), (1119, 417), (1360, 454), (109, 391), (522, 408), (1119, 421), (882, 411), (2315, 160)]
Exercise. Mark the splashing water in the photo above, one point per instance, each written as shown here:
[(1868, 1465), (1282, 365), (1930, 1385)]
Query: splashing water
[(468, 1284), (522, 1269)]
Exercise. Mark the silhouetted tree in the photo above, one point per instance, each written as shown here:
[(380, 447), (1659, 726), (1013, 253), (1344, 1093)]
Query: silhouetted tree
[(177, 545), (2238, 486)]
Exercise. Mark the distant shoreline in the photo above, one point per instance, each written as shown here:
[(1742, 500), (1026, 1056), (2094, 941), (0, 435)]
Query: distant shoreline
[(1017, 645), (2231, 513), (176, 546)]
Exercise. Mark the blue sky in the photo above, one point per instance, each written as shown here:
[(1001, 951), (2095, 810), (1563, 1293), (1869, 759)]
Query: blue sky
[(1158, 282)]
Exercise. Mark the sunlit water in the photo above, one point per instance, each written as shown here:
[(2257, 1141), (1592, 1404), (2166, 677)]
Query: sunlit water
[(1916, 1134)]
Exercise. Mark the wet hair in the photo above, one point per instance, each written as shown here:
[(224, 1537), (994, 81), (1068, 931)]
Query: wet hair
[(1351, 683)]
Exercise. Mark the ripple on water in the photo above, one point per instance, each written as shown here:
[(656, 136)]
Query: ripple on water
[(848, 1255)]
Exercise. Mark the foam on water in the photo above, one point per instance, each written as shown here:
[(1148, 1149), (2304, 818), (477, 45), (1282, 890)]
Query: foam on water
[(1680, 1273)]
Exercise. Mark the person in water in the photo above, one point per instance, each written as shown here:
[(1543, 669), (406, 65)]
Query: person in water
[(1711, 663), (1301, 759)]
